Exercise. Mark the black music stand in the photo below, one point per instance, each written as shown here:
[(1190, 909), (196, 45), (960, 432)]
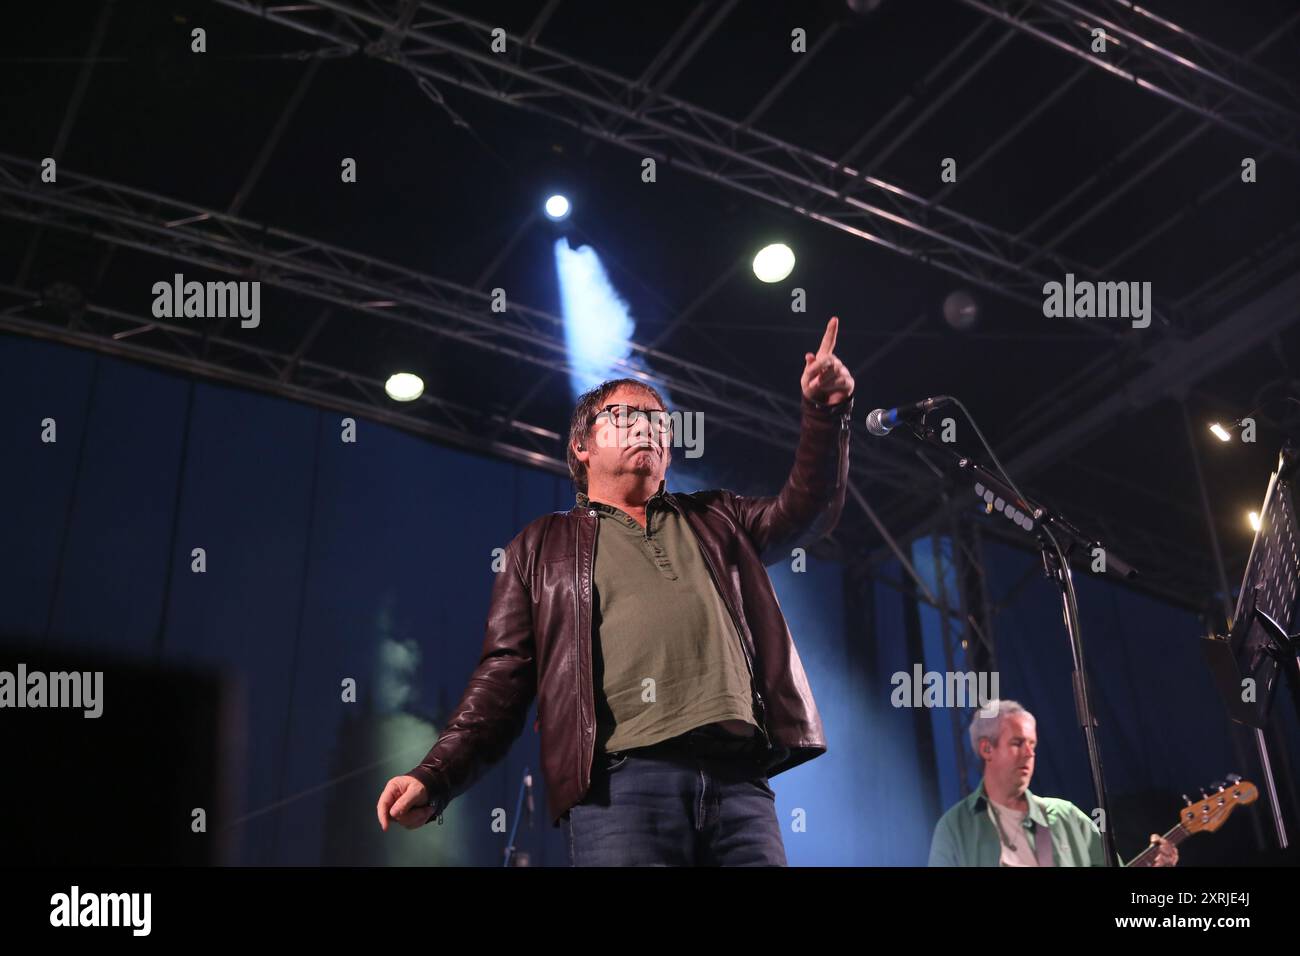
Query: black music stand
[(1259, 645)]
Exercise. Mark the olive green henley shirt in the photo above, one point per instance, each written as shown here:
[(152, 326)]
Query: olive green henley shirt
[(666, 653)]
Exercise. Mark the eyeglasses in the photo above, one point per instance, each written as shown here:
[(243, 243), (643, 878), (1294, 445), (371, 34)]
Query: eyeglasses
[(625, 416)]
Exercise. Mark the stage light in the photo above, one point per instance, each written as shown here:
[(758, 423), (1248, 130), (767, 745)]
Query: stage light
[(557, 207), (1253, 518), (773, 263), (404, 387), (1220, 432), (960, 310), (598, 324)]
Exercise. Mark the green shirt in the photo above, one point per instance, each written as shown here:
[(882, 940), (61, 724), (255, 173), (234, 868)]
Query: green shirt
[(965, 836), (666, 654)]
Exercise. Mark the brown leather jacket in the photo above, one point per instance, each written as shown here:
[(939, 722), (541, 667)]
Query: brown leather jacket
[(538, 639)]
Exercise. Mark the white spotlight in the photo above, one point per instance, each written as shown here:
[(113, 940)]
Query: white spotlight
[(773, 263), (1220, 432), (557, 207), (597, 325), (1253, 518), (404, 387)]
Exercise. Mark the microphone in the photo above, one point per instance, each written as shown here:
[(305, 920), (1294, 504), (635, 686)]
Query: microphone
[(882, 421)]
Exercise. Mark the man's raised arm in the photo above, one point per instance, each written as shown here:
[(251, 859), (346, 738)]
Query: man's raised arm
[(813, 495)]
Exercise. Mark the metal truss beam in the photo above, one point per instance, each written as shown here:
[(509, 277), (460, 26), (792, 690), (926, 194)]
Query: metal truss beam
[(1158, 133), (452, 48), (1167, 567), (1180, 67), (801, 63), (174, 345), (1182, 365), (422, 304), (70, 119)]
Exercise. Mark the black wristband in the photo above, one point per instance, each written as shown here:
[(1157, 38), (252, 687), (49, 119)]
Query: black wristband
[(837, 408)]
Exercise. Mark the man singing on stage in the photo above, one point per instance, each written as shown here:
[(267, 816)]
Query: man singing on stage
[(1002, 823), (668, 686)]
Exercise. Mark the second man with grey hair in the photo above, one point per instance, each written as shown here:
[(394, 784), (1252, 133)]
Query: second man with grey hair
[(1003, 823)]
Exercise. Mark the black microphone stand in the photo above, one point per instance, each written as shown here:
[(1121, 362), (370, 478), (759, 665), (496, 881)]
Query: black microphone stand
[(1050, 529)]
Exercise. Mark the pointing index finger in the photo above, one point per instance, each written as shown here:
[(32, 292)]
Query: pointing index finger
[(828, 339)]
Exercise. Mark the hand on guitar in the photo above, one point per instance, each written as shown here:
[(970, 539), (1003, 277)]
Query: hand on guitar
[(1167, 855), (1203, 817)]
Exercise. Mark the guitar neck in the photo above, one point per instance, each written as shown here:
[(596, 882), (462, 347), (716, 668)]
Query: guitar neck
[(1148, 856)]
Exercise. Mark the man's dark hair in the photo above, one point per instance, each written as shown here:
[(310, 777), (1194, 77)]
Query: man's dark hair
[(589, 404)]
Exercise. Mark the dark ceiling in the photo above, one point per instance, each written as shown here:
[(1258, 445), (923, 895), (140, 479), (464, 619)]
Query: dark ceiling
[(1064, 162)]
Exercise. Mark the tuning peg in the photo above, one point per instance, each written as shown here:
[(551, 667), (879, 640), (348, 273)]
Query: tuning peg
[(1234, 778), (1217, 786), (1187, 799), (1204, 795)]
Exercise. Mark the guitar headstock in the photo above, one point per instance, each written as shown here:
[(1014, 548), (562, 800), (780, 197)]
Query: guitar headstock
[(1206, 816)]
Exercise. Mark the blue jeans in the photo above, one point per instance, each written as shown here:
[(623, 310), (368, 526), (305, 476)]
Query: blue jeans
[(648, 807)]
